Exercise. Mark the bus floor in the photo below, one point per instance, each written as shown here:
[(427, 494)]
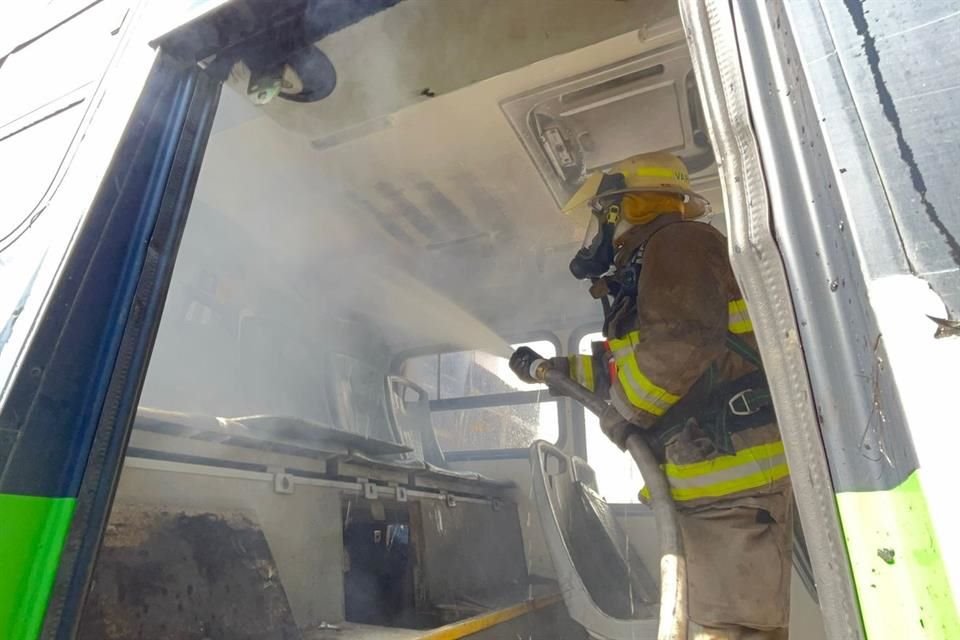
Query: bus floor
[(542, 618)]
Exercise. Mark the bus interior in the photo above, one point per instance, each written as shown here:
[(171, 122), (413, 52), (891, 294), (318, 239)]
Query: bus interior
[(330, 443)]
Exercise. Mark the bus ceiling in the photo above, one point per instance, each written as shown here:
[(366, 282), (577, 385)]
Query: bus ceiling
[(446, 148)]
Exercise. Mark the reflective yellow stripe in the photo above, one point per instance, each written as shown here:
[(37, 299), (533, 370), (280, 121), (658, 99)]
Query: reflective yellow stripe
[(639, 389), (738, 318), (660, 172), (721, 463), (752, 481), (587, 369), (471, 626), (581, 370), (748, 469)]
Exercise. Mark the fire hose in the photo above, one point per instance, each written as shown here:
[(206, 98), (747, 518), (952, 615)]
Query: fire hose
[(673, 572)]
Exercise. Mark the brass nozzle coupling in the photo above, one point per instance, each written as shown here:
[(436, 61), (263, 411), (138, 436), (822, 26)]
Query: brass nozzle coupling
[(539, 368)]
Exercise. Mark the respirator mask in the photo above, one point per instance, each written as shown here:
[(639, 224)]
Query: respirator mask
[(595, 256)]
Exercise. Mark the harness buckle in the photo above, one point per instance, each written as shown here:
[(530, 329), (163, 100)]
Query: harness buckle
[(744, 409)]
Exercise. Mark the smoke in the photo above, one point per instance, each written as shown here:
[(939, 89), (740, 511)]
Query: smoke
[(425, 313), (328, 241), (348, 232)]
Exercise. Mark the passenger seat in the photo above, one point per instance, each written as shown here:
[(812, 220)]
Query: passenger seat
[(408, 410), (605, 586)]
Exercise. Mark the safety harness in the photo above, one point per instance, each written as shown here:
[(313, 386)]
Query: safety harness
[(720, 409)]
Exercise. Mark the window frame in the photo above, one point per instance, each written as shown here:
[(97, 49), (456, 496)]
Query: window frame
[(76, 387), (492, 399), (578, 427)]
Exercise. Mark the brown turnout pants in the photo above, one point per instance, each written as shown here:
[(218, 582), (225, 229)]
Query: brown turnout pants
[(739, 562), (734, 633)]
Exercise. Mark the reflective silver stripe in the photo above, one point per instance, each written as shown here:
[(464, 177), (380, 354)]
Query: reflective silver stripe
[(653, 398), (748, 467)]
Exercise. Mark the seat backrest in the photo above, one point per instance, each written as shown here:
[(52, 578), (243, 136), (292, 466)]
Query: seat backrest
[(605, 586), (408, 411)]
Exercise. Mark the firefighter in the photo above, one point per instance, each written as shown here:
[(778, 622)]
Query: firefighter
[(680, 365)]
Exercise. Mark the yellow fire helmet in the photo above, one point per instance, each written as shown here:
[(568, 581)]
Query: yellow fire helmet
[(646, 176)]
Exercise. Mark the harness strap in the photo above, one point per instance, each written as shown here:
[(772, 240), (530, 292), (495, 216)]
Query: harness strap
[(740, 347), (720, 410)]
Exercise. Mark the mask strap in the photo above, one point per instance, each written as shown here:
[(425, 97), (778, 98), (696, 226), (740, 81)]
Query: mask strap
[(609, 214)]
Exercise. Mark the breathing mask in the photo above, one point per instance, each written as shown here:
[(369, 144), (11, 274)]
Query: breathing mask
[(595, 256)]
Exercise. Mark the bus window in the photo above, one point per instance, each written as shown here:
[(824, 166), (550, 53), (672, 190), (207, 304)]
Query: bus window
[(618, 479), (477, 403)]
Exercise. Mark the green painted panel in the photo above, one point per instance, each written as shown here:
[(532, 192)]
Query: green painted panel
[(32, 533), (900, 578)]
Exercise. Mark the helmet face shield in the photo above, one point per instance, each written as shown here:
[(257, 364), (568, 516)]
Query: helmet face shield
[(593, 231), (595, 256)]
